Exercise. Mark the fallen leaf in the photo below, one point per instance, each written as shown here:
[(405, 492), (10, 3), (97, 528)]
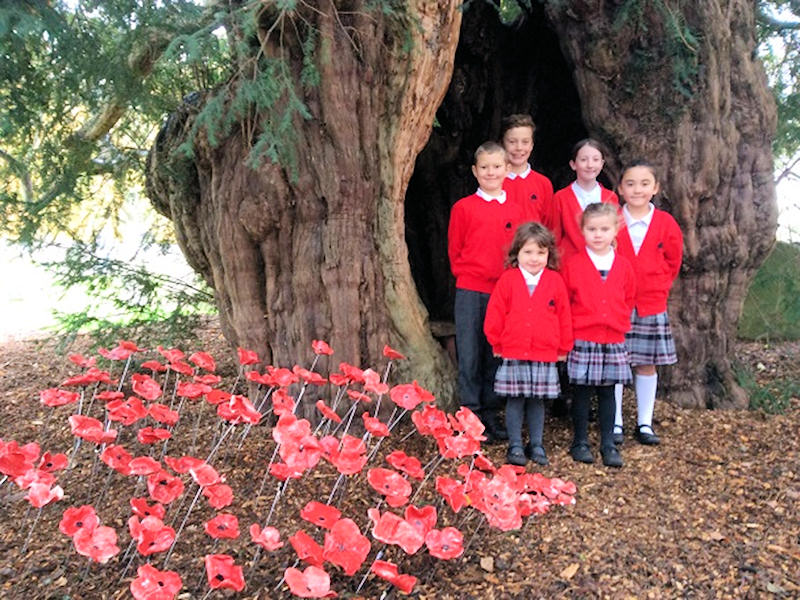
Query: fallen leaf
[(570, 571), (487, 564)]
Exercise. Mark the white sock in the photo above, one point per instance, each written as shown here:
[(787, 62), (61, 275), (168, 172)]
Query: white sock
[(646, 398), (618, 402)]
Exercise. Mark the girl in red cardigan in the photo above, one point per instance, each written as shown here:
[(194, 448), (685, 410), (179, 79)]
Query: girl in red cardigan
[(528, 324), (652, 241), (569, 202), (602, 288)]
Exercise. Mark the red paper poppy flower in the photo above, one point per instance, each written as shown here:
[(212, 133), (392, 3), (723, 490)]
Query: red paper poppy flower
[(82, 361), (307, 549), (145, 386), (269, 538), (338, 379), (353, 373), (289, 428), (484, 464), (204, 360), (53, 462), (323, 515), (16, 461), (409, 465), (327, 412), (375, 426), (239, 409), (453, 491), (431, 421), (345, 547), (388, 482), (282, 471), (32, 476), (247, 357), (76, 518), (388, 571), (224, 525), (93, 375), (219, 495), (458, 446), (422, 519), (154, 365), (171, 354), (42, 494), (445, 543), (320, 347), (281, 376), (109, 395), (351, 457), (152, 435), (373, 383), (151, 535), (314, 582), (470, 424), (152, 584), (163, 487), (55, 397), (215, 397), (192, 390), (117, 458), (207, 379), (390, 529), (309, 376), (183, 464), (127, 412), (357, 396), (182, 367), (223, 573), (163, 414), (142, 509), (258, 378), (91, 430), (117, 353), (204, 475), (282, 402), (99, 544), (392, 354), (144, 465)]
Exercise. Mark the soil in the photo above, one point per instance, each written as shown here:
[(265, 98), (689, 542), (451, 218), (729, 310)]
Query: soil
[(710, 513)]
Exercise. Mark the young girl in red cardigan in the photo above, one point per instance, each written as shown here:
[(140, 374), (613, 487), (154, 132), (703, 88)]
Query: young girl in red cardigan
[(528, 324), (652, 241), (602, 289), (570, 202)]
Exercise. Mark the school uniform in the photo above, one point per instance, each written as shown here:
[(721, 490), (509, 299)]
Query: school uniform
[(537, 190), (568, 206)]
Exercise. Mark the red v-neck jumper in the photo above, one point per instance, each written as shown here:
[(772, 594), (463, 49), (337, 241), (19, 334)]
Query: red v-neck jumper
[(522, 326), (657, 264), (567, 220), (536, 189), (601, 310)]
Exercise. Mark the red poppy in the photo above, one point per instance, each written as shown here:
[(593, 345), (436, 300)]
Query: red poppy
[(92, 375), (163, 487), (109, 395), (564, 487), (163, 414), (388, 571), (388, 482), (409, 465), (356, 396), (307, 549), (117, 458), (282, 402), (269, 538), (247, 357), (223, 573), (470, 423), (282, 471), (151, 535), (353, 374), (323, 515), (351, 457), (127, 412), (320, 347), (239, 409), (431, 421), (445, 543), (82, 361), (303, 454), (314, 582), (142, 509), (224, 525), (183, 464), (484, 464), (204, 360), (99, 544), (152, 435), (145, 386), (172, 354), (327, 412), (55, 397), (215, 397), (144, 465), (281, 376), (192, 390), (154, 365), (42, 494), (53, 462), (182, 367), (390, 529), (375, 426), (458, 446), (91, 430), (309, 376), (204, 475), (219, 495), (392, 354), (152, 584), (422, 519), (289, 428), (338, 379), (453, 491), (34, 476), (16, 461), (373, 383), (120, 352), (499, 502), (345, 547), (76, 518)]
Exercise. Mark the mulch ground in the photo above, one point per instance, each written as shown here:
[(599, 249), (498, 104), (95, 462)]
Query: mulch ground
[(714, 512)]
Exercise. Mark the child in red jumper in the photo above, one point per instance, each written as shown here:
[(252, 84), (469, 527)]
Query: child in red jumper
[(569, 202), (528, 323), (602, 289), (479, 234), (653, 243), (517, 133)]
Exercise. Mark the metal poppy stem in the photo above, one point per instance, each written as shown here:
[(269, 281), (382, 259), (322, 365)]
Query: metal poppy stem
[(266, 473), (180, 529), (335, 485), (278, 493), (30, 533), (378, 556), (103, 490), (385, 378), (280, 583), (428, 474), (249, 426), (129, 563), (124, 373)]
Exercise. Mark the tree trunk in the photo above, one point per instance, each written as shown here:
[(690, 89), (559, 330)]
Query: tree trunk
[(698, 108), (318, 251)]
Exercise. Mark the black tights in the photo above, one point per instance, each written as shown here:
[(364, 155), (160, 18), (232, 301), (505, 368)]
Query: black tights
[(581, 400)]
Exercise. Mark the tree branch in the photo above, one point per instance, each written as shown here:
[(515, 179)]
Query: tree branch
[(767, 19), (22, 173)]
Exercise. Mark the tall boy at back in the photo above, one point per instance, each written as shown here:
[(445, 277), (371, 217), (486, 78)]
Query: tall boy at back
[(481, 228)]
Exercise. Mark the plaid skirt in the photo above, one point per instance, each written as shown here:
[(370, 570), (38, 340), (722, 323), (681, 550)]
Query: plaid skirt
[(650, 342), (591, 363), (527, 378)]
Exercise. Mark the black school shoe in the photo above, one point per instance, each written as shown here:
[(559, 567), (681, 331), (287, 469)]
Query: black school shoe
[(581, 453), (537, 454), (647, 438), (619, 435), (611, 457), (516, 456)]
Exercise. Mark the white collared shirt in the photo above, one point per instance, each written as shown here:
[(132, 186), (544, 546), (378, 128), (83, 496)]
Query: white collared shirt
[(500, 199), (531, 280), (586, 198), (637, 228), (523, 175), (601, 262)]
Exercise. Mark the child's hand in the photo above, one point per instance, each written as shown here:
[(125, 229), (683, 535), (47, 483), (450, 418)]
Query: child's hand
[(562, 357), (496, 355)]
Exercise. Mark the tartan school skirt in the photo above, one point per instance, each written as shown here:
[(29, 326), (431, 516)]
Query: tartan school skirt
[(650, 342), (527, 378), (590, 363)]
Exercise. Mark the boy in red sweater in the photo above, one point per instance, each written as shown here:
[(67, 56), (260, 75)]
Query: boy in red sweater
[(481, 228)]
